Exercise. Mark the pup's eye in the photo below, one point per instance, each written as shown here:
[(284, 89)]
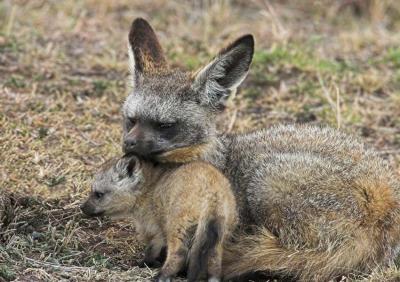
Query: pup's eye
[(98, 195)]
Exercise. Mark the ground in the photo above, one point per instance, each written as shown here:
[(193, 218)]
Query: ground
[(64, 75)]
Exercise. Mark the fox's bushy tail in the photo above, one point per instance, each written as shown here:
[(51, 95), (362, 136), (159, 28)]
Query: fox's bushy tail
[(263, 252)]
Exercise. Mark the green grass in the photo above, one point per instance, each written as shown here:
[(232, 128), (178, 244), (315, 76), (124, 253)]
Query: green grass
[(7, 273), (392, 57), (293, 56)]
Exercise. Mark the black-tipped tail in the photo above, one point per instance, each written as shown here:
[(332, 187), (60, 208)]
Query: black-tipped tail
[(205, 241)]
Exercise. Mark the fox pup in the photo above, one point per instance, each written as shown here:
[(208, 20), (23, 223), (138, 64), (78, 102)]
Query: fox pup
[(324, 203), (189, 209)]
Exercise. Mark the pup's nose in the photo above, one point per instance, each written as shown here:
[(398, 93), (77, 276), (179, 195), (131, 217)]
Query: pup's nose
[(83, 208), (86, 210), (129, 143)]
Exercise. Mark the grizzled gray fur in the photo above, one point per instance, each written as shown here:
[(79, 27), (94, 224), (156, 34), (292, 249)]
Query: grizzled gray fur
[(324, 204)]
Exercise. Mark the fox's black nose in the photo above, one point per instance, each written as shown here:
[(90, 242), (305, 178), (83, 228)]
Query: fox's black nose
[(129, 144)]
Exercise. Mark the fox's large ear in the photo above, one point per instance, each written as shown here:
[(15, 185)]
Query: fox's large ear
[(220, 78), (145, 52)]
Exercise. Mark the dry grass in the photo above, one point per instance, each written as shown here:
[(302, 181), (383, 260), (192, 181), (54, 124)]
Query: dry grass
[(63, 73)]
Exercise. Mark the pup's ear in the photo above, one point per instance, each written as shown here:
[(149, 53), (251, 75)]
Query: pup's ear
[(145, 52), (133, 164), (127, 165), (221, 77)]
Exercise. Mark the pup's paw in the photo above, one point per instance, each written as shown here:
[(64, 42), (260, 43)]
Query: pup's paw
[(162, 278), (149, 263)]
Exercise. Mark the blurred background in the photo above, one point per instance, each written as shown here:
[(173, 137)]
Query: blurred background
[(64, 75)]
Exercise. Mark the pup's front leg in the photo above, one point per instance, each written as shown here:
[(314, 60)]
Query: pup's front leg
[(153, 253)]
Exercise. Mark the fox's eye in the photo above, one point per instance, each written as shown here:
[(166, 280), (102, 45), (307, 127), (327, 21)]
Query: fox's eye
[(132, 121), (98, 195), (166, 125)]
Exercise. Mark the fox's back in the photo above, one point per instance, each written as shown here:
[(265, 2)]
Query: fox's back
[(326, 142), (305, 164), (252, 152)]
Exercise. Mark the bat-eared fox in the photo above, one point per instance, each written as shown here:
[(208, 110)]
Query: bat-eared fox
[(324, 204), (189, 209)]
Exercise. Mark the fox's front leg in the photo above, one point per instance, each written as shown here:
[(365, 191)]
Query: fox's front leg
[(176, 257)]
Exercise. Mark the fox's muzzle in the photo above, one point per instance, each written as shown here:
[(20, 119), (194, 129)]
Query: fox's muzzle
[(141, 147), (143, 140), (130, 145)]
